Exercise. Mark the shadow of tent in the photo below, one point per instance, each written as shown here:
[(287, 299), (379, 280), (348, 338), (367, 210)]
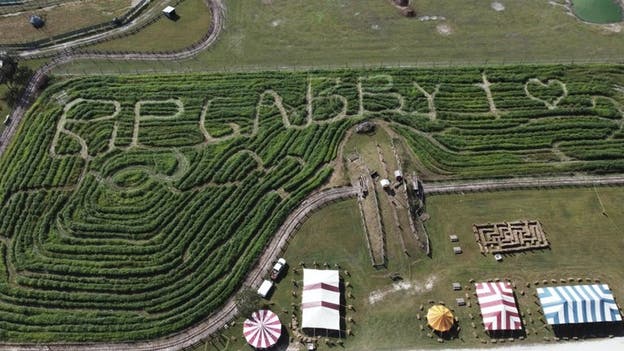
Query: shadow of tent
[(589, 330), (282, 342)]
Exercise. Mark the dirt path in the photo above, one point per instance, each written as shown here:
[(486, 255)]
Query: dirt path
[(550, 105), (214, 322), (619, 108), (147, 15), (217, 9), (488, 93), (582, 345), (209, 139), (60, 127), (521, 183), (430, 100), (138, 117)]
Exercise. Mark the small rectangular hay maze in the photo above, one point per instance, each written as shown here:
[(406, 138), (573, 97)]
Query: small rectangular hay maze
[(510, 236)]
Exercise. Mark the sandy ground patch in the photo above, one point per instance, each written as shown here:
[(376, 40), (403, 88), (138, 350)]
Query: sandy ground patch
[(497, 6), (267, 2), (413, 287), (602, 344), (613, 27), (444, 29)]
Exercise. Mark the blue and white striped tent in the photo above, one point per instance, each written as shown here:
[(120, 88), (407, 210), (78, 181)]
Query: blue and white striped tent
[(578, 304)]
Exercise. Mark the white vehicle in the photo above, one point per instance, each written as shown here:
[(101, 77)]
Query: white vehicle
[(265, 288), (277, 268)]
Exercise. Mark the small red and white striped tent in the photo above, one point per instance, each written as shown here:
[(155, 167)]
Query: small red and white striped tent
[(498, 306), (263, 329), (320, 301)]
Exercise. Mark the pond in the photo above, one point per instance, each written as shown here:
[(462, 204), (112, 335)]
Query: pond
[(598, 11)]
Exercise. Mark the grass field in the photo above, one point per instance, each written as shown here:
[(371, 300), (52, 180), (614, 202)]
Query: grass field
[(584, 243), (300, 33), (17, 29), (165, 34)]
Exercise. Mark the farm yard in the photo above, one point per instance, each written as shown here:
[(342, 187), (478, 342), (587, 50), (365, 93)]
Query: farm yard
[(402, 159), (133, 206), (387, 315), (15, 26), (166, 35)]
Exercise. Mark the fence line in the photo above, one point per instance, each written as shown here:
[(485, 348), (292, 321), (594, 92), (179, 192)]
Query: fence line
[(216, 321), (120, 21), (186, 65), (436, 188)]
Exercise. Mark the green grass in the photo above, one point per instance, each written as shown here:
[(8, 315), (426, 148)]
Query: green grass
[(301, 33), (60, 19), (598, 11), (88, 191), (4, 108), (584, 243), (165, 34), (147, 228)]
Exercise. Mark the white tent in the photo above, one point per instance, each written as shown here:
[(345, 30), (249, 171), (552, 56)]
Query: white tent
[(385, 183), (320, 301), (265, 287), (169, 11)]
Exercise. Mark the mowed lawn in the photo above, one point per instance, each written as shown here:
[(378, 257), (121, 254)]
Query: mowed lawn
[(60, 19), (584, 244), (301, 33), (165, 34)]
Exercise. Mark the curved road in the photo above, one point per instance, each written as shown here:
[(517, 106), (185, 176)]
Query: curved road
[(151, 13), (217, 320), (217, 9)]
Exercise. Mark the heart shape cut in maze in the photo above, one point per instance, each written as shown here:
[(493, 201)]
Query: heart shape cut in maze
[(550, 93)]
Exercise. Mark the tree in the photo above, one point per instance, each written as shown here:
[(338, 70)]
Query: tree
[(16, 78), (7, 71), (12, 95), (20, 77), (247, 301)]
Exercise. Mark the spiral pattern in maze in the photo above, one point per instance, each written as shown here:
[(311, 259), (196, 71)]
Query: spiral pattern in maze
[(132, 207)]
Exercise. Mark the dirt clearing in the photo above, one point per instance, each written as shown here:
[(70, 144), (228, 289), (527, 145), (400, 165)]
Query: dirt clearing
[(497, 6), (444, 29)]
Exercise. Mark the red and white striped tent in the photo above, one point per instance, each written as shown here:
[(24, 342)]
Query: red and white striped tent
[(263, 329), (498, 306)]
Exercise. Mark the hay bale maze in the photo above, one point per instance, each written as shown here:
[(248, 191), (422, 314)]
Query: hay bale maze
[(133, 207), (509, 237)]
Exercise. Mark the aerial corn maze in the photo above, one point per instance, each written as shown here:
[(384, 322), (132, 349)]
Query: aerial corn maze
[(133, 206)]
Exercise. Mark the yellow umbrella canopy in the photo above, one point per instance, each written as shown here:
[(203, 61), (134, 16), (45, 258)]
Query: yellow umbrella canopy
[(440, 318)]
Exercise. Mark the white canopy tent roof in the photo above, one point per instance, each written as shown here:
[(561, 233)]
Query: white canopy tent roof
[(169, 10), (320, 301), (265, 287)]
